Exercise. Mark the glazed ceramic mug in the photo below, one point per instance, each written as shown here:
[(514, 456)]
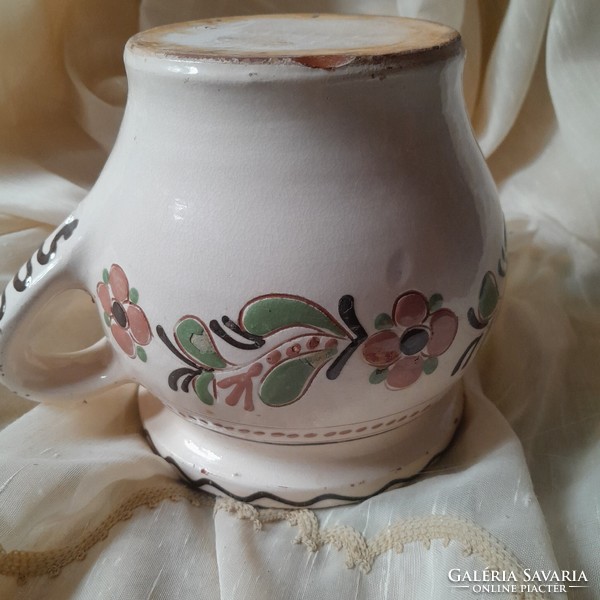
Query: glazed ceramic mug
[(295, 248)]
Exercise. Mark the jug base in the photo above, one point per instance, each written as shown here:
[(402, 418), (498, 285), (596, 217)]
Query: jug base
[(291, 476)]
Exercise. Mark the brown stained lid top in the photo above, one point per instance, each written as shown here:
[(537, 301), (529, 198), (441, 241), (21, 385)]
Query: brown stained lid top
[(313, 40)]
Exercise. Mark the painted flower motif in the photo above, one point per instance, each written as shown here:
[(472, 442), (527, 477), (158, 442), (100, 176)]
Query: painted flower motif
[(410, 341), (126, 320)]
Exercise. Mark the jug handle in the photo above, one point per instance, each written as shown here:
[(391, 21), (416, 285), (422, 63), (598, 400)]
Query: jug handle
[(69, 375)]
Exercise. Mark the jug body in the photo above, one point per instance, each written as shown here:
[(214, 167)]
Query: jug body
[(297, 248)]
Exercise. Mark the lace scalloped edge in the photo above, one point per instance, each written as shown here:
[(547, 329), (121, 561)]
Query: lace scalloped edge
[(359, 551)]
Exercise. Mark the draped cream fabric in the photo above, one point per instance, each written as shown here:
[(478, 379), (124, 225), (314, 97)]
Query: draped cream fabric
[(520, 486)]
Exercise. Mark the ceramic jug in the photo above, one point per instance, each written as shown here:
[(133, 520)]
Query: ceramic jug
[(295, 248)]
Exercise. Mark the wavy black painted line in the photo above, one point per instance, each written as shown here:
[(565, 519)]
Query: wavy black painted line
[(43, 258), (205, 481), (21, 284), (65, 232)]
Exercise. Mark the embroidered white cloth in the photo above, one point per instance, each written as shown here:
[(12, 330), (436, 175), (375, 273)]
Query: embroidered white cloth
[(519, 489)]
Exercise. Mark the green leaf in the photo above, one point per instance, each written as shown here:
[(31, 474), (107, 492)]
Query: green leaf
[(430, 365), (435, 302), (141, 354), (134, 295), (194, 339), (105, 275), (383, 321), (107, 319), (378, 375), (289, 380), (488, 296), (268, 314), (201, 384)]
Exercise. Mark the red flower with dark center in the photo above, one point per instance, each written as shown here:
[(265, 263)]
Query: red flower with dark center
[(126, 320), (401, 354)]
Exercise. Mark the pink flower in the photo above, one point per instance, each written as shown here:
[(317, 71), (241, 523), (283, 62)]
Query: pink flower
[(415, 338), (126, 320)]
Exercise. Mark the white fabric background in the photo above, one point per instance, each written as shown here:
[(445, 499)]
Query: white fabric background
[(525, 465)]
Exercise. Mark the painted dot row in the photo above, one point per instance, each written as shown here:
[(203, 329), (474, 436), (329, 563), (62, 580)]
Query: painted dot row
[(310, 435)]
